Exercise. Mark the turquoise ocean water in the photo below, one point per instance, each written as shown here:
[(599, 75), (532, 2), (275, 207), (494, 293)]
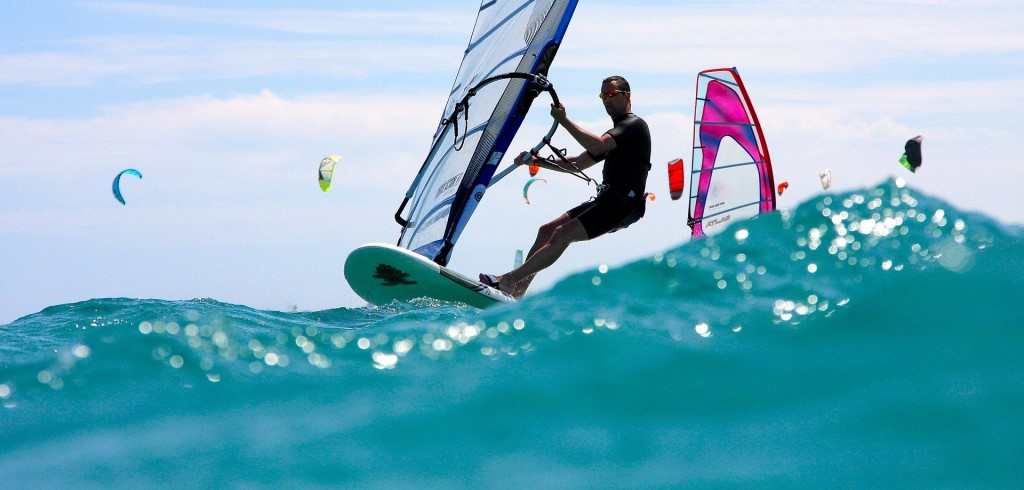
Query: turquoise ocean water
[(870, 339)]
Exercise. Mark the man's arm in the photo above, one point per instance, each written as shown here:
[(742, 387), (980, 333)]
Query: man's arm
[(596, 145), (582, 161)]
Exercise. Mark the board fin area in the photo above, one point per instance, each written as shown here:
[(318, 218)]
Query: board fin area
[(381, 273)]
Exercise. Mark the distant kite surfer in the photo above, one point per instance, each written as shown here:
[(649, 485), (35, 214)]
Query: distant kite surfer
[(626, 152)]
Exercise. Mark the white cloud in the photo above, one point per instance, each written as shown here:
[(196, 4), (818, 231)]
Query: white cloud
[(781, 38), (359, 44), (263, 133), (374, 23), (148, 60), (787, 36)]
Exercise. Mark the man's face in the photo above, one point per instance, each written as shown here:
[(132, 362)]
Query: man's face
[(616, 100)]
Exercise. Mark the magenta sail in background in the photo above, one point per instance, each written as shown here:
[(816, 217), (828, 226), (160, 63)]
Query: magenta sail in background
[(727, 112)]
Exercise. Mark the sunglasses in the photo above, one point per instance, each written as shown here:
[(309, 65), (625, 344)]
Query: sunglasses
[(608, 95)]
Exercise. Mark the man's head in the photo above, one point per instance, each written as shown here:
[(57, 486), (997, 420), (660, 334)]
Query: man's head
[(615, 95)]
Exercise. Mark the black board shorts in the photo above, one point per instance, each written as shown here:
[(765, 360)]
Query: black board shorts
[(607, 213)]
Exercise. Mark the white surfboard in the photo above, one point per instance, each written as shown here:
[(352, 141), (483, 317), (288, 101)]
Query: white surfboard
[(381, 273)]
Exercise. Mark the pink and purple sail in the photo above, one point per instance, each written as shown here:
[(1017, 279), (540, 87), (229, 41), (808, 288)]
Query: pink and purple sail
[(731, 168)]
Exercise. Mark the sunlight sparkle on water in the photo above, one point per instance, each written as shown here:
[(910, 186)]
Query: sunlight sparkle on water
[(702, 329), (462, 332), (318, 360), (220, 339), (402, 347), (338, 341), (80, 351), (441, 345)]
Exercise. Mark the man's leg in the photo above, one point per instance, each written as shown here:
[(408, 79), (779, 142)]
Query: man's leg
[(563, 235), (543, 235)]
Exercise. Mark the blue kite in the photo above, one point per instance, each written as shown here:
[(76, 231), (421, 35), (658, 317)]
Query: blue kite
[(117, 182)]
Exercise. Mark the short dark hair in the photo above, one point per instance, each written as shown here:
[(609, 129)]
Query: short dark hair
[(619, 80)]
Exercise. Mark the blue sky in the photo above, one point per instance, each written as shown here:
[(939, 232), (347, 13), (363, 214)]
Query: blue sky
[(226, 108)]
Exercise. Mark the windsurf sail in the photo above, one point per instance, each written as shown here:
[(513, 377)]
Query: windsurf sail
[(731, 168), (510, 36)]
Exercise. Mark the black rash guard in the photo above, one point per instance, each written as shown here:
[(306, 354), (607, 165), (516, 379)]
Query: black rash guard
[(621, 201), (626, 167)]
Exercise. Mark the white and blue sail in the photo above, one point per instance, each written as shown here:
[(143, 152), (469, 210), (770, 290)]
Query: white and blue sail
[(518, 36)]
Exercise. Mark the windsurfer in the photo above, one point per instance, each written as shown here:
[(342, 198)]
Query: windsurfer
[(626, 152)]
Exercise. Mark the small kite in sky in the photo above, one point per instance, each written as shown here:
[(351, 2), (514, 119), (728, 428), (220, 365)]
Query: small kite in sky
[(326, 172), (526, 188), (782, 187), (826, 178), (117, 183), (911, 158), (675, 178)]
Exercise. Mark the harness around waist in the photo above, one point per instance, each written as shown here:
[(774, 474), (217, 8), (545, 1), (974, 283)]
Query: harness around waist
[(635, 200), (619, 194)]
